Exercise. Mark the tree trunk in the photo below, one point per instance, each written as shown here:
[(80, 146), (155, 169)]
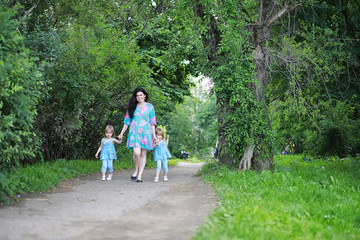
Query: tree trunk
[(261, 35), (245, 162)]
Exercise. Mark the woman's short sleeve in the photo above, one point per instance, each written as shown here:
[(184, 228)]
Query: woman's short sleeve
[(152, 116), (127, 119)]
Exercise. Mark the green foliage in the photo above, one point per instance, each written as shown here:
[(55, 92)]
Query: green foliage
[(192, 125), (314, 80), (19, 81), (275, 205), (92, 54), (338, 135), (241, 118)]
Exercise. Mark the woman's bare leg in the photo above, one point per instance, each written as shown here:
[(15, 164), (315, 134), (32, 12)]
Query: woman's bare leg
[(136, 160), (142, 163)]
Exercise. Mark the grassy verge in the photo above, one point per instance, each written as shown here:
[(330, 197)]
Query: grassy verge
[(191, 160), (302, 199)]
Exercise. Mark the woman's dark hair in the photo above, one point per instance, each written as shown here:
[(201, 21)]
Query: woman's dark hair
[(133, 102)]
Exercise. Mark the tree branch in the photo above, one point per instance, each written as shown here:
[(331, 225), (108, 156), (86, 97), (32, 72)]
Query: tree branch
[(281, 13), (30, 10)]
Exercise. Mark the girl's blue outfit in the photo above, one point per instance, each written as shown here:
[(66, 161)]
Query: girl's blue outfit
[(161, 155), (107, 155)]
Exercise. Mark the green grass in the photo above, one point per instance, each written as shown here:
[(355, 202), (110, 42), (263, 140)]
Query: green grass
[(176, 160), (301, 199)]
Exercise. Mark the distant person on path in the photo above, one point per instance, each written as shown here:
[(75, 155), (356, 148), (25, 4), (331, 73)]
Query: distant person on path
[(141, 118), (108, 153), (216, 152), (289, 147), (161, 154)]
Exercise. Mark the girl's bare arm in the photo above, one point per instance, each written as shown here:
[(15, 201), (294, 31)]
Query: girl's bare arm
[(167, 139), (97, 153)]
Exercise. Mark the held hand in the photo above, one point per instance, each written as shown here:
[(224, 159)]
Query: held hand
[(120, 137), (96, 155)]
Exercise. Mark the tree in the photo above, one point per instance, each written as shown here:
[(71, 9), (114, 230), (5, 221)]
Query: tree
[(235, 35), (92, 54), (315, 85)]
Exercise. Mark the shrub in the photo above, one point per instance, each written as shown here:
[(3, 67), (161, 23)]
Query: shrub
[(18, 81)]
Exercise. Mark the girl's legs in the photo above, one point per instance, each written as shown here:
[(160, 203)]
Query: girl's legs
[(110, 168), (157, 171), (165, 166), (103, 169)]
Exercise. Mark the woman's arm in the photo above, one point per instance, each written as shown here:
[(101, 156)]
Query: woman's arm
[(120, 137), (153, 133)]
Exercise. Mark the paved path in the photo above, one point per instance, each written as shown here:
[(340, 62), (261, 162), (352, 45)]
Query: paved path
[(88, 208)]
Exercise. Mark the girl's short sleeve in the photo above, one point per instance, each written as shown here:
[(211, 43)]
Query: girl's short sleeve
[(152, 115), (127, 119)]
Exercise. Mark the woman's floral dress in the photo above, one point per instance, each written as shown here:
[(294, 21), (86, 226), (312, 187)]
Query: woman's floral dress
[(140, 127)]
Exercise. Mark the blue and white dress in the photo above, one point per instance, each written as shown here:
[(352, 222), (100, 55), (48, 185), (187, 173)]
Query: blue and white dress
[(108, 150), (161, 152)]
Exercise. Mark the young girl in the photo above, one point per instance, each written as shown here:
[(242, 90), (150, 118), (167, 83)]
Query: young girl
[(108, 153), (161, 154)]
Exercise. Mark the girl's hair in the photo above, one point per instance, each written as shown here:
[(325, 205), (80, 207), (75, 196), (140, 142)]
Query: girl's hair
[(109, 128), (159, 131), (133, 102)]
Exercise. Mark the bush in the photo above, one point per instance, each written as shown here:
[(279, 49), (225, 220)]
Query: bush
[(18, 81), (339, 134)]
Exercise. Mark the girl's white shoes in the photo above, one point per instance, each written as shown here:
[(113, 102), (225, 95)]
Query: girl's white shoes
[(103, 178), (156, 180)]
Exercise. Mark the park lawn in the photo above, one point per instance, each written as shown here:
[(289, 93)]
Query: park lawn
[(174, 161), (302, 198)]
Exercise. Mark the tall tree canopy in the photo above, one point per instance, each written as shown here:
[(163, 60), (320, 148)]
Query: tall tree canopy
[(281, 70)]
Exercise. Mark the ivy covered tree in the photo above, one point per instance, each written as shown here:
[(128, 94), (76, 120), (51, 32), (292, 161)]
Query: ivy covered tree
[(235, 37)]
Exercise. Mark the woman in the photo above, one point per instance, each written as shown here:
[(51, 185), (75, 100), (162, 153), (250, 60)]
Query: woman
[(141, 119)]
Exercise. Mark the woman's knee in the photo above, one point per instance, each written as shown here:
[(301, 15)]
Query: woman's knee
[(137, 153), (143, 153)]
